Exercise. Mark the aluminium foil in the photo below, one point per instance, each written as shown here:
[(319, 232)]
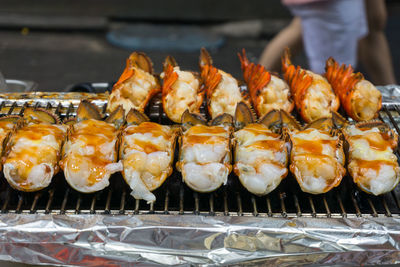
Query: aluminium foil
[(114, 240)]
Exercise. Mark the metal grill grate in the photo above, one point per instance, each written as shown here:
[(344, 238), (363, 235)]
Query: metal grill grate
[(173, 197)]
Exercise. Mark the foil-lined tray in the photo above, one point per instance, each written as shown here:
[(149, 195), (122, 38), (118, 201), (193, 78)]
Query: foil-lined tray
[(105, 240)]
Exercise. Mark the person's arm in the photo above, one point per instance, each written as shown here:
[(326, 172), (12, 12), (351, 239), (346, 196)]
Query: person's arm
[(288, 37), (374, 51)]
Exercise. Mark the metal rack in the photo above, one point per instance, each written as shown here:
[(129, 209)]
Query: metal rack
[(175, 198)]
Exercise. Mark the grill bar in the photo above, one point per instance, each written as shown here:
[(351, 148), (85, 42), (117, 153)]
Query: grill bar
[(343, 211), (313, 213), (387, 210), (166, 202), (226, 209), (328, 211), (78, 205), (122, 205), (297, 205), (283, 207), (64, 202)]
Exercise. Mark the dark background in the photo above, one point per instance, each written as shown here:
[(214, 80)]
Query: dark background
[(59, 43)]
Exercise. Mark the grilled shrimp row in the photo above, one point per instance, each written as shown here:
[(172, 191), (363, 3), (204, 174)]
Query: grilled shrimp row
[(185, 90), (263, 150), (314, 96), (86, 149)]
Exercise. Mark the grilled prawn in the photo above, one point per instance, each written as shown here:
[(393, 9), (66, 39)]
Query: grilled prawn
[(371, 161), (147, 153), (7, 125), (312, 94), (359, 97), (261, 156), (32, 153), (222, 90), (136, 86), (90, 154), (181, 90), (205, 152), (317, 156), (267, 91)]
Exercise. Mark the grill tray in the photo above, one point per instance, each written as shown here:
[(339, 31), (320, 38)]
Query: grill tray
[(286, 203)]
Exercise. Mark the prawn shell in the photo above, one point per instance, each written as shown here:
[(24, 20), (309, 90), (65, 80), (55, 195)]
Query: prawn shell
[(343, 80), (283, 137), (211, 78), (223, 119), (11, 118), (190, 119), (87, 110), (243, 115), (165, 175), (137, 60), (298, 80), (69, 121), (169, 60), (117, 117), (17, 121), (339, 158), (256, 78), (226, 160), (135, 117), (321, 124), (70, 132), (140, 60), (388, 134), (205, 58), (170, 78), (40, 115), (289, 122), (34, 117)]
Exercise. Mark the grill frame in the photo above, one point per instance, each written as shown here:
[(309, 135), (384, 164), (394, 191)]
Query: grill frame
[(291, 203)]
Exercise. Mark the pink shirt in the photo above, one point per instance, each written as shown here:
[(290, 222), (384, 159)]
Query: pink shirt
[(299, 2)]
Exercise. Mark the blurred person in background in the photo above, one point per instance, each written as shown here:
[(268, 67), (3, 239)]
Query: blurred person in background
[(374, 51), (342, 29)]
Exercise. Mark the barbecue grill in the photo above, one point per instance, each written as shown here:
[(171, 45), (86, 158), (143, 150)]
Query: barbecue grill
[(58, 225)]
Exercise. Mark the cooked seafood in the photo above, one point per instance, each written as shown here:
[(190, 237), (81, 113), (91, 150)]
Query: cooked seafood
[(317, 156), (136, 86), (7, 125), (32, 152), (267, 91), (147, 153), (181, 90), (205, 152), (359, 97), (222, 90), (90, 154), (312, 94), (371, 161), (261, 156)]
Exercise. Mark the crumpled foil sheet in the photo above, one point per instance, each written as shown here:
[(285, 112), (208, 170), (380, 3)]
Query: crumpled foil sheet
[(107, 240), (390, 93)]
